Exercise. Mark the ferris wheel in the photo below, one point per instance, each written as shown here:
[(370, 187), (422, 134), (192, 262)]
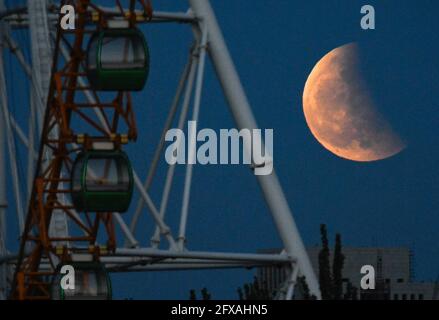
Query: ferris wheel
[(74, 183)]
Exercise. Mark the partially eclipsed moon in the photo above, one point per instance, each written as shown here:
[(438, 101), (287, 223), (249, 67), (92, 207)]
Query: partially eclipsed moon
[(340, 112)]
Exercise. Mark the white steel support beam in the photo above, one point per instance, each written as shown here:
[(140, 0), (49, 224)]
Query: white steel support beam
[(155, 240), (126, 231), (158, 151), (150, 252), (42, 52), (201, 53), (8, 135), (16, 50), (243, 115)]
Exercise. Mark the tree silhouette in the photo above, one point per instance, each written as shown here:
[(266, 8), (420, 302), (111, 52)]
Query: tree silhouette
[(325, 279), (303, 289), (205, 294), (331, 284), (337, 269), (254, 291)]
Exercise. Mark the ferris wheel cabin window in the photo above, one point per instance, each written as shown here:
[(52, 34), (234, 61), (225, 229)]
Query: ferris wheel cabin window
[(119, 53), (102, 181), (118, 60), (107, 174)]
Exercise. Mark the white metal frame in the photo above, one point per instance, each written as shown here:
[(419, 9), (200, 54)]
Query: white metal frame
[(209, 42)]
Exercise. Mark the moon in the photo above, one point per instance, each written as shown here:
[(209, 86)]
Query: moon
[(340, 111)]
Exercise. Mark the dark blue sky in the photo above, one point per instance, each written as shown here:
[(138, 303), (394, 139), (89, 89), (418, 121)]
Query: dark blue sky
[(275, 45)]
